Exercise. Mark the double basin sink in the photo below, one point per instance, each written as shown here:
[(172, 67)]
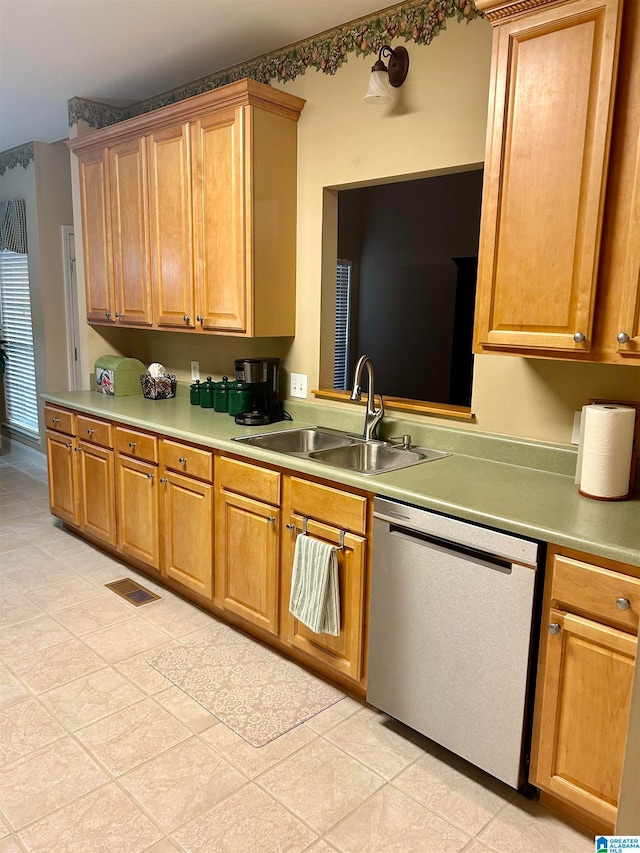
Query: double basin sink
[(341, 450)]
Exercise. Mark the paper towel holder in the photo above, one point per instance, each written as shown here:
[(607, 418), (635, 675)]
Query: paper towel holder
[(633, 404)]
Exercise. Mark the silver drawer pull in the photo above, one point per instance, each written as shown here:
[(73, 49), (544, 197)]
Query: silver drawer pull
[(578, 337), (149, 476), (164, 481), (90, 431), (186, 318), (623, 604), (623, 338), (272, 519), (132, 444), (182, 460), (291, 526), (68, 446), (554, 628), (55, 420)]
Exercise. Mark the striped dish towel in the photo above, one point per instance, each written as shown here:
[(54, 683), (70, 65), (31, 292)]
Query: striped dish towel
[(315, 598)]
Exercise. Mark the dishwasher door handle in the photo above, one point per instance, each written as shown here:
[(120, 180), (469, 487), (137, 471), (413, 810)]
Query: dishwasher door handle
[(435, 544)]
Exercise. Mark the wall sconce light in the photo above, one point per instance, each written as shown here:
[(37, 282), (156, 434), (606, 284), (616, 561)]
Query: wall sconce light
[(381, 76)]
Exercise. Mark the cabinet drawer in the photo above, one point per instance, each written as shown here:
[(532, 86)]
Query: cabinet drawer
[(140, 445), (187, 460), (59, 420), (342, 509), (250, 480), (594, 590), (95, 431)]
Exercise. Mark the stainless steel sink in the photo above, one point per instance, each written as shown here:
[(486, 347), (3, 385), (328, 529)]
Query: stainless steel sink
[(332, 447), (299, 441), (369, 458)]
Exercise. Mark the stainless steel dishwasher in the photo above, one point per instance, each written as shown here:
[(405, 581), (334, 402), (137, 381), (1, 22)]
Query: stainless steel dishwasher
[(450, 633)]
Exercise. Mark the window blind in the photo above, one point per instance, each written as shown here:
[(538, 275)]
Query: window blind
[(343, 309), (21, 401)]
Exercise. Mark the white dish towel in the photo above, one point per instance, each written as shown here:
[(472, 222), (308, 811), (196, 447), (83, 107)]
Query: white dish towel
[(315, 597)]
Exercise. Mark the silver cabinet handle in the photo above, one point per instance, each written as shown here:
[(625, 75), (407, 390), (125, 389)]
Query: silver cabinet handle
[(186, 318), (55, 420), (90, 431), (578, 337), (623, 604), (149, 476), (554, 628), (68, 446), (199, 318), (118, 315), (623, 338), (272, 519), (291, 526), (107, 314), (182, 460), (132, 444), (164, 481)]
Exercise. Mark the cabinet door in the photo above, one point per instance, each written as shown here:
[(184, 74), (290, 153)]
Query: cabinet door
[(550, 112), (629, 334), (138, 528), (220, 218), (585, 684), (97, 492), (127, 174), (63, 478), (171, 226), (187, 525), (96, 237), (247, 555), (343, 653)]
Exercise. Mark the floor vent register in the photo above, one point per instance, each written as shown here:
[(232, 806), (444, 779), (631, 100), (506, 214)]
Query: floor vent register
[(132, 591)]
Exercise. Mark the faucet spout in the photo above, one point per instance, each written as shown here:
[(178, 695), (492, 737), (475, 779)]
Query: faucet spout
[(373, 415)]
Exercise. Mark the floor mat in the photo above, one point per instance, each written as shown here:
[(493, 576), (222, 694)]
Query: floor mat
[(251, 689)]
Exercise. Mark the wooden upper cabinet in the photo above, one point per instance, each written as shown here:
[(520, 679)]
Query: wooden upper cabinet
[(171, 226), (94, 194), (127, 173), (550, 119), (220, 219), (192, 209), (628, 337)]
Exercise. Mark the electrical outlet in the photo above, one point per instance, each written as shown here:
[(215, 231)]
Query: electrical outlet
[(195, 370), (299, 385)]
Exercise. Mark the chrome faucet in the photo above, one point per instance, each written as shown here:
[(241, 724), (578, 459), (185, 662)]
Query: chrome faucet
[(372, 416)]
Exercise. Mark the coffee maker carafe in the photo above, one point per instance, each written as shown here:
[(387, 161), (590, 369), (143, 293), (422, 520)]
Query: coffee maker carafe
[(262, 375)]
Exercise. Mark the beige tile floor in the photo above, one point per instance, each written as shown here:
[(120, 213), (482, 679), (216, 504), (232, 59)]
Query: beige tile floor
[(100, 753)]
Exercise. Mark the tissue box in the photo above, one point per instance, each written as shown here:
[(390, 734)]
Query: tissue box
[(158, 388), (118, 376)]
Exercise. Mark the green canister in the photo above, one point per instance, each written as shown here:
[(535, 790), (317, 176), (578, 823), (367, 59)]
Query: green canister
[(239, 397), (206, 394), (221, 395), (194, 393)]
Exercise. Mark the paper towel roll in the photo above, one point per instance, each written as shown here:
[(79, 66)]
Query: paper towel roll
[(606, 448)]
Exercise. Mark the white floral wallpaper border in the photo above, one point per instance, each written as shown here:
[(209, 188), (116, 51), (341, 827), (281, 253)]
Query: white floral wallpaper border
[(419, 21), (21, 155)]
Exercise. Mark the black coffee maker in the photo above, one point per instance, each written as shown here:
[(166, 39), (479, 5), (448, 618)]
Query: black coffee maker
[(262, 375)]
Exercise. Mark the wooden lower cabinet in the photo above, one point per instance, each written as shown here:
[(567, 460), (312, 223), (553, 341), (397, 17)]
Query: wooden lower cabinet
[(247, 559), (343, 653), (63, 477), (247, 564), (187, 531), (138, 510), (97, 492), (583, 693)]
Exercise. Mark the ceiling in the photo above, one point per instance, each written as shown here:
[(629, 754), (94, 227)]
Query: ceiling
[(128, 50)]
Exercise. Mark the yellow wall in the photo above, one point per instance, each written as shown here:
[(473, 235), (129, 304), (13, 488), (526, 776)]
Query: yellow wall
[(438, 123)]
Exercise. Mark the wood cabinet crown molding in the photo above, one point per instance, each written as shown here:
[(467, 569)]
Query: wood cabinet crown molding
[(499, 10), (244, 92)]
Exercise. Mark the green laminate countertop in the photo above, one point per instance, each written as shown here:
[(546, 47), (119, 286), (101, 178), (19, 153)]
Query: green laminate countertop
[(530, 498)]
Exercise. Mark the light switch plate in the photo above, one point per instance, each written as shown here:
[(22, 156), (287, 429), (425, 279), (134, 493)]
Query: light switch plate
[(195, 370), (299, 385)]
